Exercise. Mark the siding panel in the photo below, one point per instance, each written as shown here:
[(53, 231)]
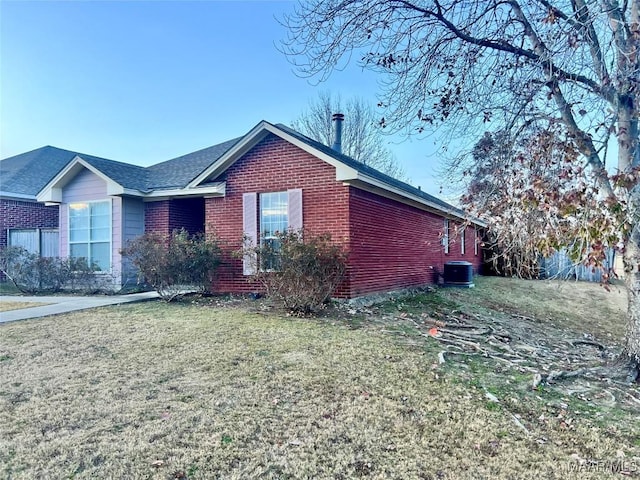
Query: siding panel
[(132, 227)]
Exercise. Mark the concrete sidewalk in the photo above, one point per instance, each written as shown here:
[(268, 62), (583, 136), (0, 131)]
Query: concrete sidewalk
[(59, 305)]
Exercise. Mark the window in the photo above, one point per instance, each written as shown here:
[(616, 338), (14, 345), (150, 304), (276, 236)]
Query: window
[(90, 233), (263, 215), (476, 241), (274, 219), (445, 236), (462, 246)]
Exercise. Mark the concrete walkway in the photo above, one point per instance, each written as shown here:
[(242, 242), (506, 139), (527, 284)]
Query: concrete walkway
[(59, 305)]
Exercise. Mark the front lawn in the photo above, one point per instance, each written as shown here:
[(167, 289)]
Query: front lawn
[(8, 305), (190, 391)]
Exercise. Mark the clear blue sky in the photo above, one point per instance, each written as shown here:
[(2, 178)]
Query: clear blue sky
[(145, 81)]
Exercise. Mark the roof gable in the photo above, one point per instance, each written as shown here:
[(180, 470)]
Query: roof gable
[(52, 192), (29, 173), (348, 170), (42, 173)]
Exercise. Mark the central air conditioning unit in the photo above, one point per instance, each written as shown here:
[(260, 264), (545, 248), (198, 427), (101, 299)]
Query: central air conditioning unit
[(458, 274)]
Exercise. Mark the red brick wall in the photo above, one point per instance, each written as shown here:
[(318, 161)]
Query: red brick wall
[(165, 216), (272, 166), (391, 245), (156, 217), (394, 245), (20, 214)]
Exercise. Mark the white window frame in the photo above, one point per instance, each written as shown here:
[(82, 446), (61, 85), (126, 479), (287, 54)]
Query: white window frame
[(445, 235), (260, 207), (261, 233), (462, 240), (89, 242), (251, 224), (475, 242)]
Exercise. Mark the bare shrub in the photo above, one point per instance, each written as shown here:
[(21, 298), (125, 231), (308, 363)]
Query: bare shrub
[(176, 263), (299, 271), (31, 273)]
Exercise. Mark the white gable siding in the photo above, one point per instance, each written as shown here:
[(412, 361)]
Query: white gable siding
[(84, 187), (88, 187)]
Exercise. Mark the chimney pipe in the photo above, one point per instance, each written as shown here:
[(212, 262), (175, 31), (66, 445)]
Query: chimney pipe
[(338, 118)]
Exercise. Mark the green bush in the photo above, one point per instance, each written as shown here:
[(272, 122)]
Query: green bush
[(177, 263), (31, 273), (299, 271)]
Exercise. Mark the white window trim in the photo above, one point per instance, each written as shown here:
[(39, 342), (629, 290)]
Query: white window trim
[(445, 235), (261, 236), (462, 240), (475, 242), (69, 242)]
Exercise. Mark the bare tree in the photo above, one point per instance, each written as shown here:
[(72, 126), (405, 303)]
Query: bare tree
[(514, 63), (537, 200), (362, 139)]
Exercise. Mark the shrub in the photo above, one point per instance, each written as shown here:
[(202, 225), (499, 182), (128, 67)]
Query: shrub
[(298, 271), (176, 263), (31, 273)]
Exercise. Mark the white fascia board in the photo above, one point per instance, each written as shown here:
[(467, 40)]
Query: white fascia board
[(215, 190), (130, 192), (343, 172), (16, 196), (394, 193), (52, 191), (256, 134)]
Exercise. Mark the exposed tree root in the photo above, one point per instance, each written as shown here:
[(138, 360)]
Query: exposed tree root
[(525, 345), (600, 347)]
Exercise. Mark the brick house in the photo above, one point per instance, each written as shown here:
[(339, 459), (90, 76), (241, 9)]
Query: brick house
[(268, 180), (24, 221)]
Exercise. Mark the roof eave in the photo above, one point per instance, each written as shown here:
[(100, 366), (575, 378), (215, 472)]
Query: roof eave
[(255, 135), (217, 189), (344, 173), (367, 183), (5, 195), (52, 191)]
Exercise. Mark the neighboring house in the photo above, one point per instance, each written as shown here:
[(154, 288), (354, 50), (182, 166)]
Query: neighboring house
[(23, 221), (271, 179)]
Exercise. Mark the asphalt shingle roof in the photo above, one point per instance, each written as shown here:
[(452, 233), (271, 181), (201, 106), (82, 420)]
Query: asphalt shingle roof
[(178, 172), (29, 172), (369, 171)]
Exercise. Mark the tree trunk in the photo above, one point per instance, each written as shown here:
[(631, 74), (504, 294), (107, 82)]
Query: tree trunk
[(632, 281)]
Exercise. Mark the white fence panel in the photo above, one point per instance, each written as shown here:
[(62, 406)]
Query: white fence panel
[(49, 243), (35, 240)]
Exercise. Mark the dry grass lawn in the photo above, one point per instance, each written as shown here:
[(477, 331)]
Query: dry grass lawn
[(188, 391), (581, 306), (17, 305)]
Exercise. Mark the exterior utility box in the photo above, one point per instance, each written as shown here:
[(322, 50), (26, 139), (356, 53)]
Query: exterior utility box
[(458, 274)]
